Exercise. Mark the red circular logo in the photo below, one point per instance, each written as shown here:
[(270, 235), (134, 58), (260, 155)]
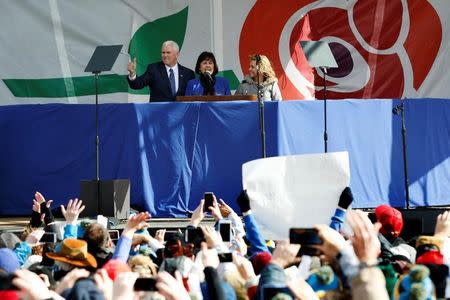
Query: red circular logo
[(384, 49)]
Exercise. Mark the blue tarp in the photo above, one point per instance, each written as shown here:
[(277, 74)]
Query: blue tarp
[(173, 152)]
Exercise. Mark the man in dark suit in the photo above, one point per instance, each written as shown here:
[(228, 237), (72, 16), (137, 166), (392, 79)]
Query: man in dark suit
[(166, 79)]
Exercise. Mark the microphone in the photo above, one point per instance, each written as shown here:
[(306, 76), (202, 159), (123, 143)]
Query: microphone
[(258, 59), (207, 74), (398, 109)]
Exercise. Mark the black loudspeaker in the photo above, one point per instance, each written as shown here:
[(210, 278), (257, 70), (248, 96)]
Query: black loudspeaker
[(114, 200), (420, 221)]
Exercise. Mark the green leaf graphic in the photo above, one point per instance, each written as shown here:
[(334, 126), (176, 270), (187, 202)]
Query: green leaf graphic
[(55, 87), (146, 42), (145, 45)]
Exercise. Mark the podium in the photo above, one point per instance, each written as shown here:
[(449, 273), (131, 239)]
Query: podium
[(216, 98)]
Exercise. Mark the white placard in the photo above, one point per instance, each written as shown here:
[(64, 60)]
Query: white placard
[(295, 191)]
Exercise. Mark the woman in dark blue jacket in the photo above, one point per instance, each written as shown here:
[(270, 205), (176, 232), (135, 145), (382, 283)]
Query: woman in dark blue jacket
[(207, 83)]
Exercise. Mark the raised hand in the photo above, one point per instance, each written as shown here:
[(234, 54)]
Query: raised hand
[(123, 286), (139, 239), (212, 237), (39, 197), (442, 228), (365, 240), (244, 266), (198, 214), (215, 210), (134, 223), (36, 206), (225, 209), (74, 208), (69, 280), (36, 216), (132, 67), (333, 241), (285, 253), (243, 201), (49, 203), (31, 285), (346, 198), (172, 288), (159, 235), (104, 283), (209, 257)]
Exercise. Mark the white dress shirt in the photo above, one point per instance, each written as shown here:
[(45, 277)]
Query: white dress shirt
[(175, 74)]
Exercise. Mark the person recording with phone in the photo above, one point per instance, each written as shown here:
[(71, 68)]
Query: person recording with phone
[(208, 83), (261, 77)]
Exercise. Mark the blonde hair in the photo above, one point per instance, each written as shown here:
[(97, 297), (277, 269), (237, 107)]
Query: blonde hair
[(265, 67), (236, 281), (26, 232), (143, 265)]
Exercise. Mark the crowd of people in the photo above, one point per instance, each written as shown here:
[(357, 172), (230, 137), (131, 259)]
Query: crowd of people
[(168, 79), (82, 261)]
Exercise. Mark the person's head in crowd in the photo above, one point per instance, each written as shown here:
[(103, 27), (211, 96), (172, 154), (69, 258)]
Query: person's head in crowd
[(260, 261), (266, 72), (99, 243), (8, 291), (73, 253), (176, 247), (97, 237), (33, 240), (143, 265), (114, 267), (26, 231), (324, 279), (439, 274), (9, 262), (206, 62), (8, 240), (236, 281), (169, 53), (84, 288), (391, 221), (425, 243), (181, 264), (415, 285), (429, 250)]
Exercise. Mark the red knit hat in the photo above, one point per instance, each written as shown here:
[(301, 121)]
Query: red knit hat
[(9, 295), (431, 257), (391, 220), (260, 261), (114, 267)]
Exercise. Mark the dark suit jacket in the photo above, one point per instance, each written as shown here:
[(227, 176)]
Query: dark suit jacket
[(155, 77)]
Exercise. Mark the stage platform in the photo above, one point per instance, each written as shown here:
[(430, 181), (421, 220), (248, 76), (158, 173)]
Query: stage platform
[(17, 224), (174, 152), (417, 221)]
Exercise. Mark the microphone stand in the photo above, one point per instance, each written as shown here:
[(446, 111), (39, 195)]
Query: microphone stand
[(400, 110), (325, 133), (97, 144), (261, 110)]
